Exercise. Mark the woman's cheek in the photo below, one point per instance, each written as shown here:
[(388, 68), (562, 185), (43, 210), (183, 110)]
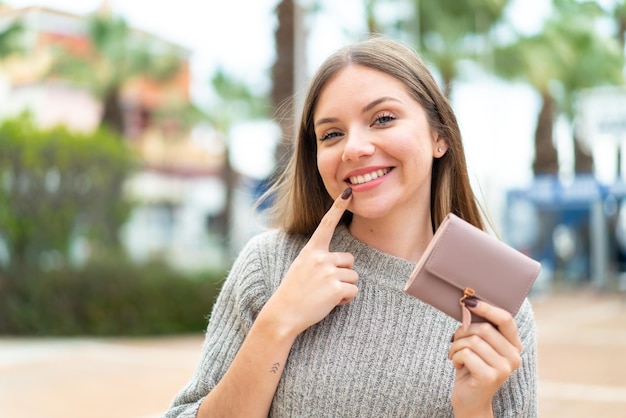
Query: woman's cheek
[(327, 167)]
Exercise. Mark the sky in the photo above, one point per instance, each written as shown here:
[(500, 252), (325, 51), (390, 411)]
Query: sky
[(235, 34), (497, 119)]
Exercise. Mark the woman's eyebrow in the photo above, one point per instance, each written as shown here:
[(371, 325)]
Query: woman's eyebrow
[(365, 109), (325, 120), (376, 102)]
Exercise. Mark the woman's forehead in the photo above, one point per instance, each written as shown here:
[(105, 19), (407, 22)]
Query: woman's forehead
[(359, 84)]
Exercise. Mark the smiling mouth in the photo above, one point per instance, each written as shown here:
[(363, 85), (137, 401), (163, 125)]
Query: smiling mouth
[(369, 176)]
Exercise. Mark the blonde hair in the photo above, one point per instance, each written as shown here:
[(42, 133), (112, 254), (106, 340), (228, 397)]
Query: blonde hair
[(300, 199)]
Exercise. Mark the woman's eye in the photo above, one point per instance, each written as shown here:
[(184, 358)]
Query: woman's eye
[(384, 119), (329, 135)]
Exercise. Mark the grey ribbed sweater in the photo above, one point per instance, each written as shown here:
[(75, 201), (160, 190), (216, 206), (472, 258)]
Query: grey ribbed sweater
[(382, 355)]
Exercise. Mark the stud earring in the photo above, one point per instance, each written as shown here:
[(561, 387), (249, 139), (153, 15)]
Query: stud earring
[(440, 149)]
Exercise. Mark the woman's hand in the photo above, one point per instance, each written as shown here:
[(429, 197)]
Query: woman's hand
[(484, 356), (317, 281)]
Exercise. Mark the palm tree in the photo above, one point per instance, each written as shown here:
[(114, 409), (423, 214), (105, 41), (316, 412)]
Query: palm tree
[(373, 24), (599, 62), (235, 102), (448, 32), (567, 56), (536, 60), (618, 15), (116, 55), (283, 77)]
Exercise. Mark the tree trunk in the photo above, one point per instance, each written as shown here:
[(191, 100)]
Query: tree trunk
[(370, 17), (112, 114), (583, 159), (283, 80), (546, 156)]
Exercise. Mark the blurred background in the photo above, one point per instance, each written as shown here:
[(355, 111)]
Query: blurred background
[(136, 135)]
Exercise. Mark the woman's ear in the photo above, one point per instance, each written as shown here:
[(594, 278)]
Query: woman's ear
[(440, 148)]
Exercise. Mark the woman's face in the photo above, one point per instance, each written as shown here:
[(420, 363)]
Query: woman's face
[(374, 137)]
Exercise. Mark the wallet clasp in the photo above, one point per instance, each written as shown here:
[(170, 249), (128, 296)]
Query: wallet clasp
[(468, 292), (466, 315)]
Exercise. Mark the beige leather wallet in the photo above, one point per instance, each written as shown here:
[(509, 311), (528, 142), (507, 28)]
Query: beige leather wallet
[(461, 261)]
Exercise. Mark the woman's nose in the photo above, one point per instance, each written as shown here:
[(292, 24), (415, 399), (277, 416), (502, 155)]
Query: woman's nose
[(357, 145)]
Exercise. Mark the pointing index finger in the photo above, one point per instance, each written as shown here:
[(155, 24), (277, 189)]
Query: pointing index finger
[(324, 232)]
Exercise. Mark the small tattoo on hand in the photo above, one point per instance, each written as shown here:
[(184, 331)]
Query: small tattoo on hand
[(275, 368)]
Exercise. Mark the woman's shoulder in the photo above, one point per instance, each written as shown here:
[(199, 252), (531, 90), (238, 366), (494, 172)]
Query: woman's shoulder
[(274, 239), (261, 263), (272, 247)]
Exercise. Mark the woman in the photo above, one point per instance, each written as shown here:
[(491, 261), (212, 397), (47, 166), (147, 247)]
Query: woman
[(312, 320)]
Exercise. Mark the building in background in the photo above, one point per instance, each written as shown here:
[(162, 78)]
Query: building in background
[(178, 189)]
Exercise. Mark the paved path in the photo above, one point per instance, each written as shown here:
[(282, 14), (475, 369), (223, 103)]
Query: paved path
[(84, 378), (582, 356), (582, 361)]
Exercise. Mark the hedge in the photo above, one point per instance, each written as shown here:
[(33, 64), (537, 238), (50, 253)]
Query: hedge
[(106, 300)]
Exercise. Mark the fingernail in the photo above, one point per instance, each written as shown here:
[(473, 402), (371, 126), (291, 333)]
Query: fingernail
[(346, 193), (471, 302)]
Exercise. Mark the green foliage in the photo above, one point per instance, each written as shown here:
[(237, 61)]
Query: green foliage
[(56, 185), (117, 55), (235, 102), (448, 32), (569, 53), (106, 299), (186, 114), (461, 18), (9, 39)]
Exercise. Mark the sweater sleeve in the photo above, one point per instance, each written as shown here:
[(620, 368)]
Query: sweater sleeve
[(517, 398), (243, 294)]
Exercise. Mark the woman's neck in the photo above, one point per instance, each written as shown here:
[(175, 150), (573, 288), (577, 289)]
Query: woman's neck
[(406, 239)]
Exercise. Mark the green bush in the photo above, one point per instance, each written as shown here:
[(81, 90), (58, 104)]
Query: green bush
[(57, 185), (105, 300)]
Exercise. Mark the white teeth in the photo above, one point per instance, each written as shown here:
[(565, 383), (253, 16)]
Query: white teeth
[(369, 176)]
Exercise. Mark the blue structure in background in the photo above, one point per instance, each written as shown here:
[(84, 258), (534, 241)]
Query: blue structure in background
[(575, 229)]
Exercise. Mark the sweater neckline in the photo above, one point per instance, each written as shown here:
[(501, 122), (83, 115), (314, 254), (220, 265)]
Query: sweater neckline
[(370, 262)]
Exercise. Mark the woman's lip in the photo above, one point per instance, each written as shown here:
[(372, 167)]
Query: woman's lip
[(368, 180), (365, 170), (368, 185)]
